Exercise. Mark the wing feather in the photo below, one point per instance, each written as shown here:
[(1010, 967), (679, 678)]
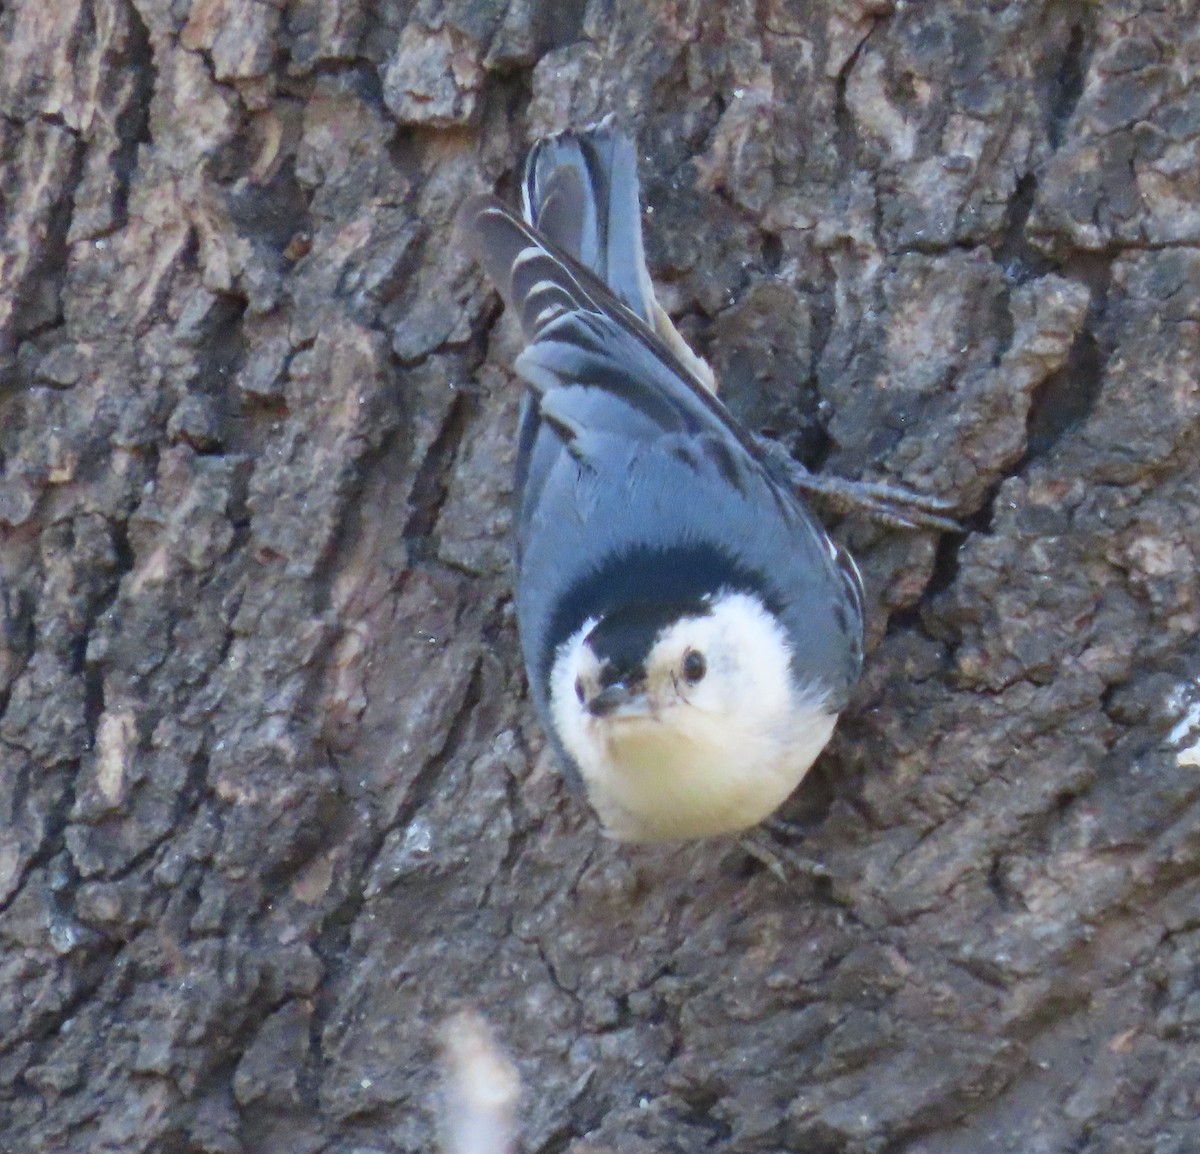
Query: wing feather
[(519, 260)]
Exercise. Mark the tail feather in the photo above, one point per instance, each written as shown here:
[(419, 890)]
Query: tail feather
[(541, 284), (581, 191)]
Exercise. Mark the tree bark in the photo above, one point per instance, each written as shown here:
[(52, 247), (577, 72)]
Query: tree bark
[(273, 805)]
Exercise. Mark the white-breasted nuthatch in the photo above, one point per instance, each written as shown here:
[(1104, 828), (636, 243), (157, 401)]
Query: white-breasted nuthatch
[(690, 631)]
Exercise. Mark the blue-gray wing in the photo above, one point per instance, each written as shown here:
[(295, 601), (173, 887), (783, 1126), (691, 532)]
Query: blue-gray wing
[(577, 330), (542, 285)]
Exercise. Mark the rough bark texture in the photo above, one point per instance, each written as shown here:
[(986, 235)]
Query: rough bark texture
[(272, 800)]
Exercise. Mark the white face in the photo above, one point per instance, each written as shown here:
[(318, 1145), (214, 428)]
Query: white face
[(712, 741)]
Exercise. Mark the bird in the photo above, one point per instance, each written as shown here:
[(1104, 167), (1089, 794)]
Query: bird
[(690, 630)]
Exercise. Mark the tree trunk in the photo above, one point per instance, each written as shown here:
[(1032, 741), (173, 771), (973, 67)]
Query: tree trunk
[(273, 804)]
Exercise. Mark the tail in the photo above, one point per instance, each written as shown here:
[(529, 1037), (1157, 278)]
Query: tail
[(581, 191)]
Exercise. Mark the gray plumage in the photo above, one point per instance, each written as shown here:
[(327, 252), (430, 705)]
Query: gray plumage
[(635, 484), (581, 192)]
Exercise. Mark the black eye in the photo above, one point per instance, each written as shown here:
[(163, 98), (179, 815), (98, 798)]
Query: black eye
[(694, 666), (579, 689)]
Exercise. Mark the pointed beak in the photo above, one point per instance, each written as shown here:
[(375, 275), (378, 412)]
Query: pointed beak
[(618, 698)]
